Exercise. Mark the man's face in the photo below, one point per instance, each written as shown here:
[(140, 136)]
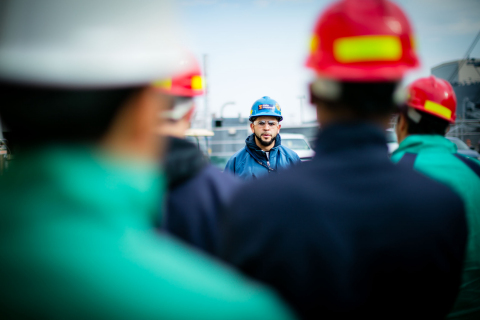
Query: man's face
[(264, 132)]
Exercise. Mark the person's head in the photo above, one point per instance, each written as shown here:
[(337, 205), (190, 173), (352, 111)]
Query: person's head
[(181, 90), (119, 120), (265, 129), (360, 51), (429, 109), (265, 117), (93, 88)]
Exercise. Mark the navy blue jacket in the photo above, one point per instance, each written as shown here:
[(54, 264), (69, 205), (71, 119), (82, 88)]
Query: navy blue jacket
[(251, 162), (349, 235), (196, 193)]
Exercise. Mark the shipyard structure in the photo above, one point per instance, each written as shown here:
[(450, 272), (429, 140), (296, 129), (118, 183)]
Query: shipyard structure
[(464, 76)]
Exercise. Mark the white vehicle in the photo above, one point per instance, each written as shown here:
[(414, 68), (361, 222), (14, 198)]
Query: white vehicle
[(299, 144), (392, 142)]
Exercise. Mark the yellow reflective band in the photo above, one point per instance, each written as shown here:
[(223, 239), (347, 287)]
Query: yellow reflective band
[(413, 42), (164, 84), (314, 42), (197, 83), (438, 109), (367, 48)]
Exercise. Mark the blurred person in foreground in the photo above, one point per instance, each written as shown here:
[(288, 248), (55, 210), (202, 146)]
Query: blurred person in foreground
[(263, 152), (77, 239), (196, 190), (422, 123), (350, 235)]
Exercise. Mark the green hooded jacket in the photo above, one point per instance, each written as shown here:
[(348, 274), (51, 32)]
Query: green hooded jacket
[(77, 242), (435, 158)]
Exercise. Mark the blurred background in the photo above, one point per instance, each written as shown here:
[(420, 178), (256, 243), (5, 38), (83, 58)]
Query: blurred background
[(254, 48)]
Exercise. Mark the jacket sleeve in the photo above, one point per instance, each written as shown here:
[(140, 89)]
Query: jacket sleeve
[(296, 158), (230, 166)]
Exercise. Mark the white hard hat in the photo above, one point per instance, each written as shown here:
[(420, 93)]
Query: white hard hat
[(87, 43)]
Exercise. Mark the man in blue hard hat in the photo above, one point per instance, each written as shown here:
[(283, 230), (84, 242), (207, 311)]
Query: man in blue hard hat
[(263, 152)]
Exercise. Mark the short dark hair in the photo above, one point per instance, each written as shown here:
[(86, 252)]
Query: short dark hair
[(428, 124), (363, 99), (252, 119), (38, 115)]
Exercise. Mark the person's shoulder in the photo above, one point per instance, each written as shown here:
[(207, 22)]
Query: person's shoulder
[(240, 153), (289, 152), (214, 176), (468, 158), (425, 193)]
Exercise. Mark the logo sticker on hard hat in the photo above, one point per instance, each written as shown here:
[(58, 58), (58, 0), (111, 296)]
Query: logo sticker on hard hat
[(265, 106), (277, 106)]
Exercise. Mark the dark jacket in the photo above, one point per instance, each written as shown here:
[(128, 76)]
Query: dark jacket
[(350, 235), (251, 162), (196, 192)]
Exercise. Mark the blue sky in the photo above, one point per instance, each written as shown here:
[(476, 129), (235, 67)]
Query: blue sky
[(258, 47)]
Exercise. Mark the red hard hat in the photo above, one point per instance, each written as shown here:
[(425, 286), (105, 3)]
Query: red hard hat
[(362, 40), (189, 83), (434, 96)]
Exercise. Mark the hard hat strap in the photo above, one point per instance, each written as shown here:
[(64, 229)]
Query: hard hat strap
[(414, 115), (180, 109)]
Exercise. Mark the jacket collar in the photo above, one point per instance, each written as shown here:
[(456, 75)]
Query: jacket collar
[(350, 135), (257, 153), (183, 161), (433, 142)]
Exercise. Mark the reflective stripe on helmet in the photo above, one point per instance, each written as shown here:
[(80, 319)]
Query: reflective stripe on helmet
[(367, 48), (164, 84), (197, 83), (413, 42), (314, 42), (438, 109)]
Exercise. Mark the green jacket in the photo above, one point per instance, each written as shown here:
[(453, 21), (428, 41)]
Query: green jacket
[(435, 158), (76, 242)]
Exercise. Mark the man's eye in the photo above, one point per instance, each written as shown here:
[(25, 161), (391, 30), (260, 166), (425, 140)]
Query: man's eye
[(271, 123), (262, 123)]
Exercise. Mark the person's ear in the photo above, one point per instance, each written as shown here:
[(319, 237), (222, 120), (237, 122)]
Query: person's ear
[(279, 126), (402, 123), (401, 128), (311, 95), (132, 132), (251, 127)]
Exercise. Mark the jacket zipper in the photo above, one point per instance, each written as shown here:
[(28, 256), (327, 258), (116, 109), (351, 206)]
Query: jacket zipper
[(268, 167)]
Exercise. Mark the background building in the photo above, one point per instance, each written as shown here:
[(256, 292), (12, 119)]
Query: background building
[(464, 76)]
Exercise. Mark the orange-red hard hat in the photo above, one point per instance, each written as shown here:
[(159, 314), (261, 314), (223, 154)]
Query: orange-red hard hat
[(188, 83), (434, 96), (362, 40)]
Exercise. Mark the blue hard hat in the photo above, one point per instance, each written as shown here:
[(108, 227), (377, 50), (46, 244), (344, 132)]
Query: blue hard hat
[(266, 107)]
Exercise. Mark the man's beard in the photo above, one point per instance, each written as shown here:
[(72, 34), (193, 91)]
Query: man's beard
[(266, 143)]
